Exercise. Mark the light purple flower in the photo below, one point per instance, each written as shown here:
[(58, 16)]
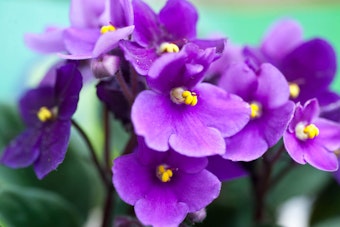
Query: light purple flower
[(94, 30), (47, 112), (163, 187), (182, 113), (311, 139), (267, 93), (167, 32)]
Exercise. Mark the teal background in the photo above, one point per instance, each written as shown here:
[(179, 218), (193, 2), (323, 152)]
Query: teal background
[(242, 23)]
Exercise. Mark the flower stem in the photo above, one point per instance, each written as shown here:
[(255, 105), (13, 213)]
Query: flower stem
[(125, 88), (92, 151)]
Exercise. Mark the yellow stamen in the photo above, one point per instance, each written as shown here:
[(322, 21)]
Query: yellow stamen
[(311, 131), (163, 173), (255, 110), (168, 48), (294, 90), (44, 114), (179, 96), (107, 28)]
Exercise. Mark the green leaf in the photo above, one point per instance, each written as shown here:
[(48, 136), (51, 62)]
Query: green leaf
[(23, 206), (327, 205)]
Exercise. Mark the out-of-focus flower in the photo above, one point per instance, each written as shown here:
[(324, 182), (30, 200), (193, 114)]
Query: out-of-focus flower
[(309, 66), (94, 30), (167, 32), (267, 93), (164, 186), (47, 112), (313, 140), (180, 112)]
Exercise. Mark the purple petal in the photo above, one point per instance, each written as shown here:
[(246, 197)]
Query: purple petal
[(53, 147), (108, 41), (294, 147), (197, 190), (23, 150), (240, 80), (272, 90), (81, 41), (312, 65), (331, 110), (131, 179), (319, 157), (161, 208), (179, 18), (32, 101), (218, 109), (329, 136), (306, 113), (67, 88), (183, 69), (186, 164), (141, 58), (275, 122), (243, 146), (121, 13), (218, 44), (85, 13), (225, 170), (282, 38), (152, 119), (147, 31), (49, 42)]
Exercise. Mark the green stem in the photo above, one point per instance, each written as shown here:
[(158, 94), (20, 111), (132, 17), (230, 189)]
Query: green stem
[(92, 151)]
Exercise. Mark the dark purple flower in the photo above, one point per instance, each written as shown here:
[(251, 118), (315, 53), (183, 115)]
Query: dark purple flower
[(163, 186), (311, 139), (180, 112), (309, 66), (94, 30), (47, 112), (267, 93), (167, 32)]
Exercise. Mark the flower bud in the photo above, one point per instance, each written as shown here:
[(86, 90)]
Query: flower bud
[(105, 66)]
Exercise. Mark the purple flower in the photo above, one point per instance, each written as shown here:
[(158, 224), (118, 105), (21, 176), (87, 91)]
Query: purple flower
[(309, 66), (167, 32), (267, 93), (47, 112), (94, 30), (311, 139), (180, 112), (163, 186)]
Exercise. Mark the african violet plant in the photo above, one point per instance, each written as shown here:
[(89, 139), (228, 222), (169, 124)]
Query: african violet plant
[(198, 111)]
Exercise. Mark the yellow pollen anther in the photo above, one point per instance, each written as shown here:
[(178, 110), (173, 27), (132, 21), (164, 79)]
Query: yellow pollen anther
[(44, 114), (190, 98), (168, 48), (294, 90), (255, 110), (180, 95), (311, 131), (163, 173), (107, 28)]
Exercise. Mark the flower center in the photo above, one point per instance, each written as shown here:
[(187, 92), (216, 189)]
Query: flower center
[(44, 114), (294, 90), (304, 132), (180, 95), (164, 173), (168, 48), (256, 110), (107, 28)]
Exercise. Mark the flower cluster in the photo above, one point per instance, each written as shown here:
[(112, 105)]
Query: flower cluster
[(196, 109)]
